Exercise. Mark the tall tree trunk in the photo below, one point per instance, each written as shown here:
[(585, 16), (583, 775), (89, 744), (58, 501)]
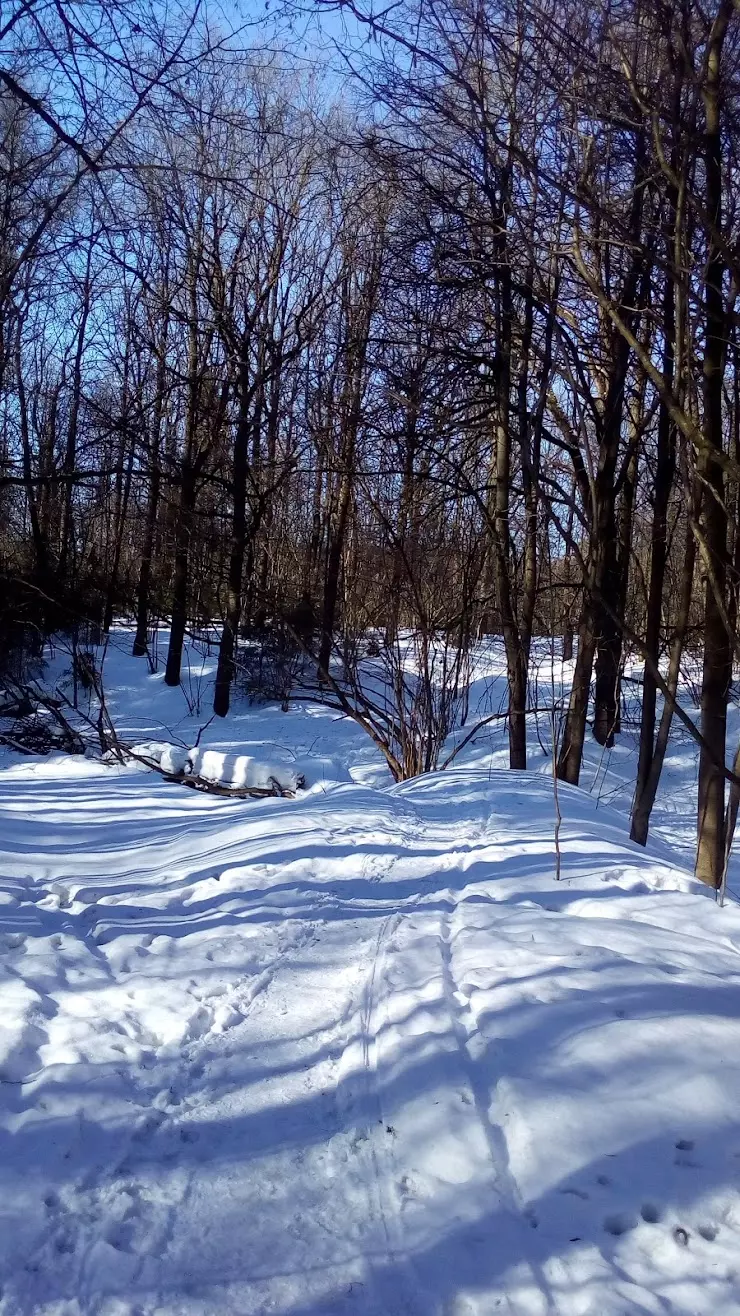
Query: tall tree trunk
[(516, 656), (530, 442), (186, 509), (38, 537), (717, 668), (70, 451), (183, 535), (405, 503), (626, 519), (123, 494), (647, 786), (569, 626), (358, 321), (664, 474), (599, 636), (614, 535), (152, 508), (574, 736), (337, 533), (246, 425)]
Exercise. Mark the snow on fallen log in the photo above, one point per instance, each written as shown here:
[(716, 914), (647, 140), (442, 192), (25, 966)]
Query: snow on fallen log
[(175, 760), (243, 771), (230, 772)]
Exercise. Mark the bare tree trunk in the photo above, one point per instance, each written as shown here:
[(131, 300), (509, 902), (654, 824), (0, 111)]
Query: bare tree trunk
[(664, 474), (358, 318), (70, 452), (647, 789), (405, 503), (40, 543), (574, 734), (337, 533), (183, 534), (516, 657), (147, 555), (717, 670), (246, 425), (186, 509), (122, 501)]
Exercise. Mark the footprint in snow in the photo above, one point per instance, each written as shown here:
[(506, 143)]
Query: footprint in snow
[(121, 1236), (651, 1214), (684, 1147), (199, 1023), (621, 1222), (168, 1098), (148, 1125), (65, 1242)]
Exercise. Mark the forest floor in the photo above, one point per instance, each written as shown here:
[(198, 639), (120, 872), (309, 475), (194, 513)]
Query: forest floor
[(359, 1051)]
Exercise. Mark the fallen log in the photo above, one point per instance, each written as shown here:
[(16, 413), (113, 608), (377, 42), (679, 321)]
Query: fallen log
[(231, 792)]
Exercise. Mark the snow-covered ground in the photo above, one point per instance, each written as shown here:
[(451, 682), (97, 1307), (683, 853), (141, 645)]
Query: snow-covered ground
[(358, 1051)]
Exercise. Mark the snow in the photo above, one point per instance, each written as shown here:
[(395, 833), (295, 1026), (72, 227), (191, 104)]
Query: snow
[(357, 1051)]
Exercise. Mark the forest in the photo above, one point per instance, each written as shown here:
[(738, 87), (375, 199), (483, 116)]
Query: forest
[(370, 354)]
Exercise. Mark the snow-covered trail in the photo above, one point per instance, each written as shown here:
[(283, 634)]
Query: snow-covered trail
[(358, 1052)]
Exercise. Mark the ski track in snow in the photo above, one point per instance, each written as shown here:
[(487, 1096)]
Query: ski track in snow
[(358, 1053)]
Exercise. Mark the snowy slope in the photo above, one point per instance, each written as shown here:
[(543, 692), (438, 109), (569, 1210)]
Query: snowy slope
[(358, 1051)]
